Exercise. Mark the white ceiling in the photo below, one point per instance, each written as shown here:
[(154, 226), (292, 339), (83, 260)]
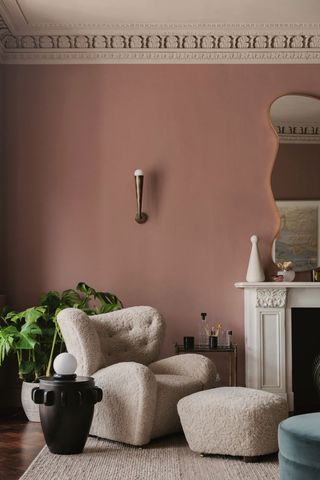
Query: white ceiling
[(160, 31), (39, 15)]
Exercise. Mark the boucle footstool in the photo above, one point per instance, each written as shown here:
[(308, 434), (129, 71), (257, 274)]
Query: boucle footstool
[(232, 421)]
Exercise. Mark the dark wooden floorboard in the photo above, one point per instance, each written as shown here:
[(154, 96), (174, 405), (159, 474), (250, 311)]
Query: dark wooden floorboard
[(20, 443)]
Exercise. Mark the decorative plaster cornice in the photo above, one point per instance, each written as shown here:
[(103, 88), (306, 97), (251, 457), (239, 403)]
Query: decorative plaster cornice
[(299, 138), (298, 133), (192, 46), (166, 57), (169, 27)]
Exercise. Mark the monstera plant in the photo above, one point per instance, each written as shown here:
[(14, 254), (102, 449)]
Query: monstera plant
[(33, 335)]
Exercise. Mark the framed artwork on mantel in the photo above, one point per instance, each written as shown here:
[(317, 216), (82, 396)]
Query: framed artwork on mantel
[(298, 238)]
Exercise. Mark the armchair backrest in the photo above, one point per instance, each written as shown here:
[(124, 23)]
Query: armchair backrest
[(132, 334)]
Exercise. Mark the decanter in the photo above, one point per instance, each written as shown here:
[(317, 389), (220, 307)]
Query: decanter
[(203, 331)]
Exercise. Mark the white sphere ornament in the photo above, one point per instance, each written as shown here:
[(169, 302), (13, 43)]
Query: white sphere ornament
[(65, 364), (255, 271)]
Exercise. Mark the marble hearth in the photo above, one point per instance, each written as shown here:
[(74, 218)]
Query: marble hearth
[(267, 313)]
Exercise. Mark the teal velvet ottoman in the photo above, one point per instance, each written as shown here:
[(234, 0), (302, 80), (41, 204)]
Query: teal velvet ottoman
[(299, 447)]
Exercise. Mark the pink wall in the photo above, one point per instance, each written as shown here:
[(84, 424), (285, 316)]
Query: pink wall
[(74, 136)]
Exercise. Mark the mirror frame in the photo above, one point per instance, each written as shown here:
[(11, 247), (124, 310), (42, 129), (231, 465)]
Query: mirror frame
[(273, 129)]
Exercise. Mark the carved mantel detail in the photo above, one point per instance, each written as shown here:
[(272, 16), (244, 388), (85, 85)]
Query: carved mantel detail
[(271, 297)]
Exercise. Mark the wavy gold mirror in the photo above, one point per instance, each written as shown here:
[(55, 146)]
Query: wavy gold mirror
[(295, 181)]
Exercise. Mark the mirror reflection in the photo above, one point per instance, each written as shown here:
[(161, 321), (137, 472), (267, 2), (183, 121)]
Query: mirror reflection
[(296, 181)]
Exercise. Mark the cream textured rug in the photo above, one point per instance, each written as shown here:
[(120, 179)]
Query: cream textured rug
[(166, 459)]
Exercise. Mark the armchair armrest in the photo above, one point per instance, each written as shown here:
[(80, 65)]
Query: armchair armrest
[(192, 365), (81, 340), (126, 413)]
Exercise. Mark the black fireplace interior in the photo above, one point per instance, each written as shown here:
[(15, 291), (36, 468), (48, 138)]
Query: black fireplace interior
[(306, 359)]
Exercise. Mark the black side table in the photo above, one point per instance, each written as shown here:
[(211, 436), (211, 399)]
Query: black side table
[(66, 411)]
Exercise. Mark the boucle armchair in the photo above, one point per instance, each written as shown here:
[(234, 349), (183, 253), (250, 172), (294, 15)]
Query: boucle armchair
[(140, 395)]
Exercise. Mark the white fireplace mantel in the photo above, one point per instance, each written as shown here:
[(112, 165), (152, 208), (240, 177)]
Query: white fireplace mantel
[(267, 314)]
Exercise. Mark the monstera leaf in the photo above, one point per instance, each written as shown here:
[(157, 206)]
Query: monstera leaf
[(108, 302), (34, 334), (28, 336), (32, 315), (50, 301), (71, 298), (7, 340), (84, 288)]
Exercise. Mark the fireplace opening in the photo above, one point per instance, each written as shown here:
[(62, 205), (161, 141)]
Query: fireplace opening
[(306, 359)]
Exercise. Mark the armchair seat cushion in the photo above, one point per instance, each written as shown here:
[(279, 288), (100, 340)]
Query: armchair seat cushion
[(170, 389), (191, 365)]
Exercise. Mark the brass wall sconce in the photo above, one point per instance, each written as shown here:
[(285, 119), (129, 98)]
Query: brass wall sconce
[(140, 216)]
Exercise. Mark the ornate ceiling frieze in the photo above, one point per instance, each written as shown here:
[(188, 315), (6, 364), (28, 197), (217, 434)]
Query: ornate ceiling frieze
[(298, 133), (188, 44)]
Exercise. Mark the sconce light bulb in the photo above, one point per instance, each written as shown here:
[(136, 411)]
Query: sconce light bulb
[(138, 173)]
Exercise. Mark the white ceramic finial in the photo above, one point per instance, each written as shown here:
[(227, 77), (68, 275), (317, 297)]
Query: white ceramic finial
[(65, 364), (255, 272), (138, 173)]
